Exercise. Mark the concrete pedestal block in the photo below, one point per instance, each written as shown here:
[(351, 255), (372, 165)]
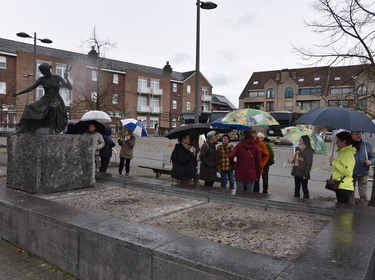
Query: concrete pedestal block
[(50, 163)]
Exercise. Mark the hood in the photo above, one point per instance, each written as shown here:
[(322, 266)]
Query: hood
[(349, 148), (107, 130), (248, 144)]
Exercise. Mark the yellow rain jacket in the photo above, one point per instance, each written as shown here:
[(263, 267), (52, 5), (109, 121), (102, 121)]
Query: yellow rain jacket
[(344, 166)]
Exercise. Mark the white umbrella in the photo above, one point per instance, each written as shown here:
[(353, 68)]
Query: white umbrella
[(137, 127), (95, 115)]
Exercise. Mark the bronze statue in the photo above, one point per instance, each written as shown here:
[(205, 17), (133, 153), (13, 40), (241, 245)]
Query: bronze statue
[(49, 111)]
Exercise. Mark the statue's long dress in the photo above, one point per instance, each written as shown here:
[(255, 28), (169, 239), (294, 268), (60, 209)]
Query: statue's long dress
[(37, 114)]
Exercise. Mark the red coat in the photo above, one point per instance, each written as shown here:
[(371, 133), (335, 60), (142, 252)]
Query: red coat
[(247, 168)]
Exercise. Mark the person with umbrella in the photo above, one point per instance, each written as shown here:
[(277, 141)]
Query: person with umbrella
[(224, 166), (247, 164), (302, 160), (208, 159), (264, 156), (183, 160), (127, 143), (270, 161), (98, 142), (106, 152), (343, 166), (364, 157)]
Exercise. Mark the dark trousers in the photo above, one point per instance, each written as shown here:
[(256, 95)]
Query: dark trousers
[(266, 170), (343, 196), (121, 166), (298, 182), (209, 183), (104, 163)]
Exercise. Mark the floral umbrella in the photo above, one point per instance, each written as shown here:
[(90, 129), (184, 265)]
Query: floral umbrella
[(294, 134), (249, 117)]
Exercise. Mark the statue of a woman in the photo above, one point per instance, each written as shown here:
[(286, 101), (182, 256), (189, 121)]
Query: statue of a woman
[(49, 111)]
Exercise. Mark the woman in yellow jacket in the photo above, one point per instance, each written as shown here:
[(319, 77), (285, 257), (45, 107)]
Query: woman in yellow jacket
[(343, 166)]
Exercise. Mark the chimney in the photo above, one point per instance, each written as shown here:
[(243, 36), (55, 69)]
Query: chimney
[(167, 68), (93, 55)]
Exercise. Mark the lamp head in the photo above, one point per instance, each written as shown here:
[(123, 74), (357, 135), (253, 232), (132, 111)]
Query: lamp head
[(208, 5), (45, 40), (23, 35)]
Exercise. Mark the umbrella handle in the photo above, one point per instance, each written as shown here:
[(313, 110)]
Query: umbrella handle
[(333, 146)]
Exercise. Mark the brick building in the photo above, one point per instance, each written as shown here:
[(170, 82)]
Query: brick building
[(122, 89), (303, 89)]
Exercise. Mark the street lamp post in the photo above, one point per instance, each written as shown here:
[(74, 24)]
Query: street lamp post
[(207, 6), (45, 40)]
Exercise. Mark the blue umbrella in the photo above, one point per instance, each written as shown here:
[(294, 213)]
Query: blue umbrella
[(218, 123), (136, 126), (338, 117)]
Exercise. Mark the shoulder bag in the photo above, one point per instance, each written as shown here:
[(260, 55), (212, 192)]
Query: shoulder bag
[(333, 185)]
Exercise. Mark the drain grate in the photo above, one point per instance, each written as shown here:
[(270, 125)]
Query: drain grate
[(237, 225), (122, 201)]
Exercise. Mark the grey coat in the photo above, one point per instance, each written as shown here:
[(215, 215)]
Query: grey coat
[(126, 147), (208, 159)]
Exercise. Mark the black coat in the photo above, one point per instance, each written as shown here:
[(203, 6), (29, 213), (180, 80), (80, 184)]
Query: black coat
[(305, 161), (183, 167), (208, 159), (106, 151)]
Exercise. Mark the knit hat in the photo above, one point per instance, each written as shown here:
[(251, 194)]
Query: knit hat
[(211, 134)]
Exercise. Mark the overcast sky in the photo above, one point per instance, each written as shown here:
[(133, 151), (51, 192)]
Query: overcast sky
[(238, 38)]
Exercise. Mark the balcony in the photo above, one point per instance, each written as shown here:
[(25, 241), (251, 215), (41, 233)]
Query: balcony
[(156, 91), (206, 98), (156, 110), (144, 90), (143, 109)]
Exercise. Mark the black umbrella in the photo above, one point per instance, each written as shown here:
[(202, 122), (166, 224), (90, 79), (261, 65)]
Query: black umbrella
[(82, 127), (338, 117), (194, 130)]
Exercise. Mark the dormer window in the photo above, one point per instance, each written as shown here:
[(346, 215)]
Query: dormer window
[(301, 79), (255, 82), (316, 79), (337, 78)]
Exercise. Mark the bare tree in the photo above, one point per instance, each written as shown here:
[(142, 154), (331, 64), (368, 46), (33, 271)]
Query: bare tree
[(347, 27)]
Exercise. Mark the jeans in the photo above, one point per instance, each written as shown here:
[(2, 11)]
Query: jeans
[(245, 186), (224, 179), (104, 164), (297, 187), (127, 165)]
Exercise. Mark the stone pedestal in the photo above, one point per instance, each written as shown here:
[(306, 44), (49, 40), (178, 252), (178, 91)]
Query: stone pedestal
[(50, 163)]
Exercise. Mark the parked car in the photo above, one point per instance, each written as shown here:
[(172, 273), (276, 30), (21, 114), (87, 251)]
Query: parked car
[(276, 136), (327, 136)]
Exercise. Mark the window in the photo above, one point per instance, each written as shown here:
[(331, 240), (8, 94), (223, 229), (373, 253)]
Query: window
[(307, 91), (142, 101), (289, 93), (204, 107), (65, 95), (115, 79), (340, 90), (174, 104), (301, 80), (94, 96), (143, 120), (174, 86), (270, 106), (288, 106), (316, 79), (309, 105), (3, 62), (173, 122), (39, 92), (3, 88), (115, 98), (142, 84), (60, 69), (155, 85), (362, 104), (362, 90), (154, 104), (338, 103), (337, 78), (188, 89), (94, 75), (188, 106), (255, 94), (270, 93), (255, 82), (153, 122)]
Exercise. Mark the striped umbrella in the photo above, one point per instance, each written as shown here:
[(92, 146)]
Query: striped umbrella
[(137, 127)]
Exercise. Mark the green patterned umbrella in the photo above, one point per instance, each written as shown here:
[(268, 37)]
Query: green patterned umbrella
[(249, 117)]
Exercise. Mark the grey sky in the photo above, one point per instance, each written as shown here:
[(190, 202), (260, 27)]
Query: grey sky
[(238, 38)]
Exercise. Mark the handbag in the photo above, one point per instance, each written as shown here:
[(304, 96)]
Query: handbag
[(333, 185)]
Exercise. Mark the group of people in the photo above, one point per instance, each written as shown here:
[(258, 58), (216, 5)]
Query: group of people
[(246, 163), (103, 145), (350, 167)]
